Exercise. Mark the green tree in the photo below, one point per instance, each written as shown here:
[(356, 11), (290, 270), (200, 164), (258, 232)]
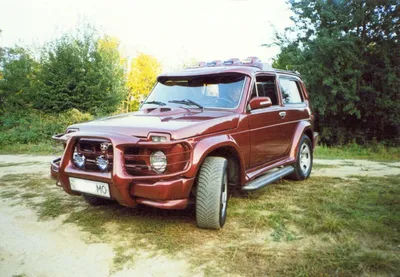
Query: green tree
[(81, 71), (348, 53), (141, 79), (17, 73)]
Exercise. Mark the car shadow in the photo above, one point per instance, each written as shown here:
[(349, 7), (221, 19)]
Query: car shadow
[(116, 211)]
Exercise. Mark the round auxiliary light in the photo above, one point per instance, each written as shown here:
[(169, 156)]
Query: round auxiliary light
[(102, 163), (158, 161), (79, 160)]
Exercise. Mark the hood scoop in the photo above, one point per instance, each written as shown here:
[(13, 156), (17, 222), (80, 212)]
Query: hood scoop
[(166, 111), (160, 110)]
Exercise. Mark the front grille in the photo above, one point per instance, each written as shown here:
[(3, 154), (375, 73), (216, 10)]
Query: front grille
[(137, 159), (90, 148)]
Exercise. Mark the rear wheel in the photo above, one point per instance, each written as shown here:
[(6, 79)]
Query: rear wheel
[(212, 193), (94, 201), (304, 160)]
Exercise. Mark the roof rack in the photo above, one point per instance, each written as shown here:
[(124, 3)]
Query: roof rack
[(250, 61), (287, 71)]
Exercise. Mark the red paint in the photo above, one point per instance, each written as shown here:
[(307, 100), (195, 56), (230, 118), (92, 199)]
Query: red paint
[(260, 102), (258, 139)]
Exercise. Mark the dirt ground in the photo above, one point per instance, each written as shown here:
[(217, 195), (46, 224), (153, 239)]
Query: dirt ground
[(30, 247)]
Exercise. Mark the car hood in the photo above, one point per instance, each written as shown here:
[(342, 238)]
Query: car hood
[(180, 123)]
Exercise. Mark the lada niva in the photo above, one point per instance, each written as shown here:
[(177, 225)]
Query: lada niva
[(199, 133)]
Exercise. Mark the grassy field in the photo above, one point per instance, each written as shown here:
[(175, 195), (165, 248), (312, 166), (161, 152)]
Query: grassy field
[(376, 152), (44, 148), (319, 227)]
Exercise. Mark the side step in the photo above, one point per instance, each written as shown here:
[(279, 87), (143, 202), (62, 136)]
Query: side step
[(268, 179)]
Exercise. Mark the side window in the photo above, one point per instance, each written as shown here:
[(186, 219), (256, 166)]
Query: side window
[(290, 91), (266, 87)]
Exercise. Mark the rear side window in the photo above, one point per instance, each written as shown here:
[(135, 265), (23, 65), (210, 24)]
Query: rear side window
[(290, 91)]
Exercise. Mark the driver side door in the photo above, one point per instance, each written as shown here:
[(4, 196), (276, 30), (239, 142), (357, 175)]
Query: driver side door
[(269, 137)]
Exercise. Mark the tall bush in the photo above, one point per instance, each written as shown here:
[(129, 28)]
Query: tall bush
[(33, 127), (80, 71)]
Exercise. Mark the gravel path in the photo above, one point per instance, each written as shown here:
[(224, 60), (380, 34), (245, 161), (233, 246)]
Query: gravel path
[(346, 168)]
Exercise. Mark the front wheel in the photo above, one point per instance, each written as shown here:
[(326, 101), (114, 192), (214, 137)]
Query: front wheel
[(304, 160), (212, 193)]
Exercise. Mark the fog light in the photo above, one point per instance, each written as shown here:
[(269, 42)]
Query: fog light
[(158, 161), (79, 160), (102, 163)]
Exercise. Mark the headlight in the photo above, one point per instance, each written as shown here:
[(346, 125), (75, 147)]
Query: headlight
[(79, 160), (158, 161)]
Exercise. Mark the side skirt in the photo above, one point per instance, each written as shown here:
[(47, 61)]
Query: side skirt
[(267, 179)]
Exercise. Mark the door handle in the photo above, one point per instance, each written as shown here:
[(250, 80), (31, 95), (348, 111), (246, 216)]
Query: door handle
[(282, 114)]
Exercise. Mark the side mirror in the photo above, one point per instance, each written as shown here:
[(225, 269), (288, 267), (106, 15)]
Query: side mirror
[(259, 103)]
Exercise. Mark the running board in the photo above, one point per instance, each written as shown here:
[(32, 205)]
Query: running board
[(268, 179)]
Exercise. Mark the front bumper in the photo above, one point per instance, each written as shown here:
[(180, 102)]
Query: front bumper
[(166, 191)]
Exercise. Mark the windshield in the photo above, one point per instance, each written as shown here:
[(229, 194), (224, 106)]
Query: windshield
[(214, 91)]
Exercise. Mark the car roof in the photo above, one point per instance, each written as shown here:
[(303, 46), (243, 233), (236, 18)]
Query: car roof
[(242, 69)]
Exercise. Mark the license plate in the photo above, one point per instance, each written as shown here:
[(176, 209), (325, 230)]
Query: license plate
[(91, 187)]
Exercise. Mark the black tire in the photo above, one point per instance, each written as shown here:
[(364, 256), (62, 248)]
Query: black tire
[(94, 201), (212, 193), (301, 170)]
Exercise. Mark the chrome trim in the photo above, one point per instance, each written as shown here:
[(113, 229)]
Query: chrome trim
[(55, 164)]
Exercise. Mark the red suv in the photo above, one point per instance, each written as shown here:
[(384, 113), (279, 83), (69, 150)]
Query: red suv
[(199, 132)]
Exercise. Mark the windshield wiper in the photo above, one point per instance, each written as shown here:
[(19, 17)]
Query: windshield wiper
[(159, 103), (187, 102)]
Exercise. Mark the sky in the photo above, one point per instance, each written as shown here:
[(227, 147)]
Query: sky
[(173, 31)]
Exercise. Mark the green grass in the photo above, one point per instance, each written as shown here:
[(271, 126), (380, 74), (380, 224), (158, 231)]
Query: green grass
[(375, 152), (52, 207), (44, 148), (319, 227)]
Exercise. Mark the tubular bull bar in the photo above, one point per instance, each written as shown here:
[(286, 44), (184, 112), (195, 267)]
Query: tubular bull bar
[(168, 191)]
